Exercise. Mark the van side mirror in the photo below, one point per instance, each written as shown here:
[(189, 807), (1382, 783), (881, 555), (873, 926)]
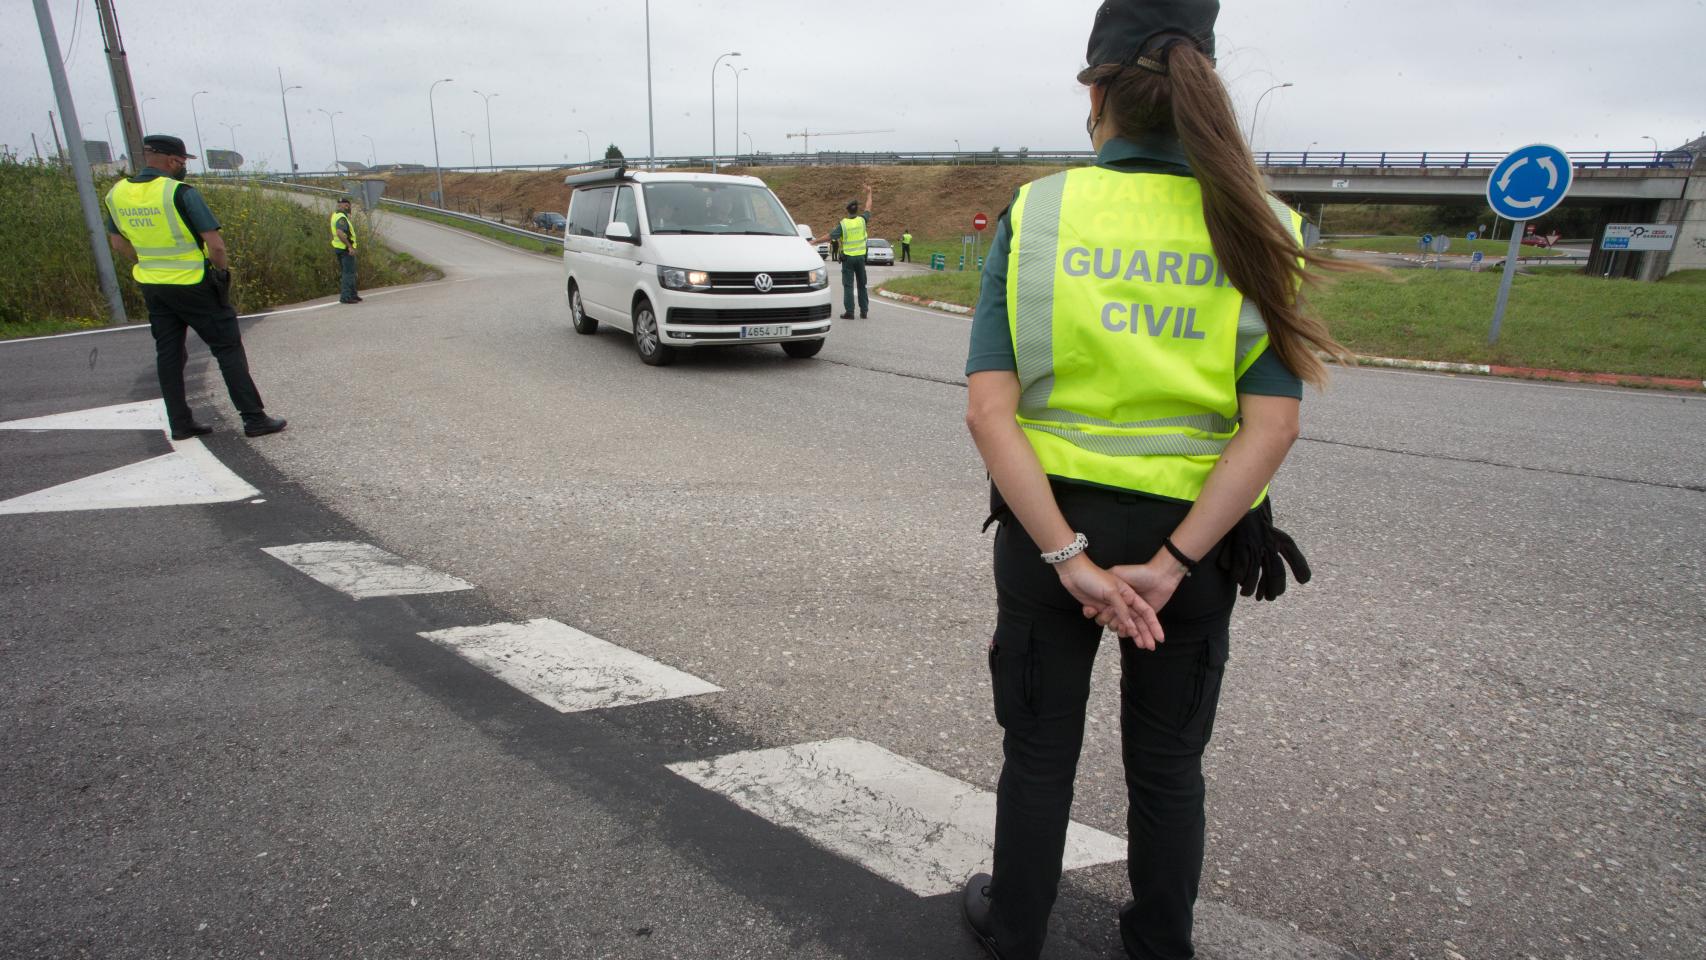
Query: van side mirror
[(617, 230)]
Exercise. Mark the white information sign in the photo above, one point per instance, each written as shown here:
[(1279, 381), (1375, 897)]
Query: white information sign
[(1639, 236)]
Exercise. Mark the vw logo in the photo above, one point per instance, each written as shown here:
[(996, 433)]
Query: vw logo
[(763, 283)]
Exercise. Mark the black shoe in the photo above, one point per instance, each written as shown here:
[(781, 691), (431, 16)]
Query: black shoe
[(263, 426), (192, 429), (864, 316), (356, 300), (847, 316), (359, 299), (974, 905)]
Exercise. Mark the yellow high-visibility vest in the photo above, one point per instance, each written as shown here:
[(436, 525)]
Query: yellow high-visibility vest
[(1128, 336), (349, 225), (166, 248), (853, 236), (906, 238)]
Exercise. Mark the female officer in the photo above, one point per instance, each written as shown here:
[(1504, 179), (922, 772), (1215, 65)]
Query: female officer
[(1134, 384)]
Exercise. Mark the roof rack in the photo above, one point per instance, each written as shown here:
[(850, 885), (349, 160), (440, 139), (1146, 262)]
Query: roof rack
[(597, 176)]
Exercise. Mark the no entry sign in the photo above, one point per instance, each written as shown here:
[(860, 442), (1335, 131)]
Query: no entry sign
[(979, 222)]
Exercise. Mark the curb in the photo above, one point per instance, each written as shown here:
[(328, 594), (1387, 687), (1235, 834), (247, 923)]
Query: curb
[(1536, 373), (932, 304), (1436, 366)]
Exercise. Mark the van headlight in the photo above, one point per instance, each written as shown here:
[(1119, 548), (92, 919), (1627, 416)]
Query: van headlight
[(819, 278), (675, 278)]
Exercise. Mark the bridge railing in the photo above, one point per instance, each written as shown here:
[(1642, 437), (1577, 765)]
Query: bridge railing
[(1469, 159)]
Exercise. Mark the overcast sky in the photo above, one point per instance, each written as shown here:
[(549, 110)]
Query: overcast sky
[(1368, 74)]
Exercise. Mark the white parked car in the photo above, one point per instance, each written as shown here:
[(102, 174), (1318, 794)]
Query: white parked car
[(878, 251), (687, 260)]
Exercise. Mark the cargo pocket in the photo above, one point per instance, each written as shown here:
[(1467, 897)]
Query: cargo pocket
[(1012, 673)]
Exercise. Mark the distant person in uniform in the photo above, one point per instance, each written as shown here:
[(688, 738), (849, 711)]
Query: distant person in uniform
[(851, 233), (906, 246), (343, 245), (166, 227)]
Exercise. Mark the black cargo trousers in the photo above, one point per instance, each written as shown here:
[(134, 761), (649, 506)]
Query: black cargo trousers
[(1040, 663), (205, 307)]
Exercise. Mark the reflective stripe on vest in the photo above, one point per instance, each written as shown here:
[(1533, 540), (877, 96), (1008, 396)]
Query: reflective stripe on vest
[(349, 225), (1128, 336), (147, 215), (853, 237)]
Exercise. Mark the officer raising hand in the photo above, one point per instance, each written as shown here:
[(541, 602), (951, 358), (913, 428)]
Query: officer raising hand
[(166, 227)]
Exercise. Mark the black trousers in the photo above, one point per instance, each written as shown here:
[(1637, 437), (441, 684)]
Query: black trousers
[(346, 275), (1040, 664), (174, 310), (853, 276), (906, 253)]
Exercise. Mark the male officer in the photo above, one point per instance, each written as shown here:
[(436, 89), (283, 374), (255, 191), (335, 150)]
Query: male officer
[(906, 246), (852, 233), (181, 266), (343, 245)]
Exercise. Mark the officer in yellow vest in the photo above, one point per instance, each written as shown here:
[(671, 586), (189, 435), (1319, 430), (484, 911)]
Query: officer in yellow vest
[(851, 233), (1136, 365), (343, 245), (906, 246), (165, 225)]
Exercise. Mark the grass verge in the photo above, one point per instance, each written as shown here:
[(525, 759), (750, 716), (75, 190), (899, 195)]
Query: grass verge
[(279, 253), (1557, 320), (1459, 246), (493, 233)]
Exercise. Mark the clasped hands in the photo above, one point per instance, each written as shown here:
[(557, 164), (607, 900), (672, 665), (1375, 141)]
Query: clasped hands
[(1123, 598)]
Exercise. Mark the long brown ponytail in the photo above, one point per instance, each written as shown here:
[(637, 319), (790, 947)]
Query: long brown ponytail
[(1260, 255)]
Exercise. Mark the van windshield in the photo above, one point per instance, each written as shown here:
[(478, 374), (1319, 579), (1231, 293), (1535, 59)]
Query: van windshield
[(720, 208)]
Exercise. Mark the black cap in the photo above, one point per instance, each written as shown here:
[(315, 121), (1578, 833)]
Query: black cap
[(343, 200), (169, 146), (852, 206), (1127, 29)]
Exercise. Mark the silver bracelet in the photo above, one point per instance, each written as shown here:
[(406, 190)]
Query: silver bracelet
[(1073, 549)]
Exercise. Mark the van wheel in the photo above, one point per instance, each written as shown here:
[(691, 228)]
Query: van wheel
[(802, 349), (647, 340), (577, 312)]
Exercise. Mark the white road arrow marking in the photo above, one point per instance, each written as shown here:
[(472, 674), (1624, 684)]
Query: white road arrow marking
[(147, 415), (189, 475)]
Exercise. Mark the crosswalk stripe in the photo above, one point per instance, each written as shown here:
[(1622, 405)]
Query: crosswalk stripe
[(363, 570), (565, 668), (143, 415), (924, 830)]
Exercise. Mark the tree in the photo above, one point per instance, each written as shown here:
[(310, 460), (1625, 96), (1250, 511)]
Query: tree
[(612, 152)]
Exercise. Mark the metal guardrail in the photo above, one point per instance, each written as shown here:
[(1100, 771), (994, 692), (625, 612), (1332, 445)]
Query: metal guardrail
[(424, 208), (1413, 159)]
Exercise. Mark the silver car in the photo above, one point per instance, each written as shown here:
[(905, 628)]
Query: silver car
[(879, 251)]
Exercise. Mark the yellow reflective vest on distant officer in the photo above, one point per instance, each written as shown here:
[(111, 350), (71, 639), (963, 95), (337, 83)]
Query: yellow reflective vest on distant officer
[(349, 225), (1128, 337), (853, 234), (166, 248)]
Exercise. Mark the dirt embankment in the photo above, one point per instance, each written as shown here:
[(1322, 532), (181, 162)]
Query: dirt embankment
[(933, 202)]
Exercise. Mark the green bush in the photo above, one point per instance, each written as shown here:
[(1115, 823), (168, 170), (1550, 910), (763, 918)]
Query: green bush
[(279, 252)]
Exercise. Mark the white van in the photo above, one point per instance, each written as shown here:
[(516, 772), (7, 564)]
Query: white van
[(691, 260)]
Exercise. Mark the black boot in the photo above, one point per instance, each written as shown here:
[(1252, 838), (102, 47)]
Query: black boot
[(974, 905)]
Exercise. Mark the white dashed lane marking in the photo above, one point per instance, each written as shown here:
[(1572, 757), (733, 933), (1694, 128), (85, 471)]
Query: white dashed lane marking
[(566, 669), (363, 570), (922, 829)]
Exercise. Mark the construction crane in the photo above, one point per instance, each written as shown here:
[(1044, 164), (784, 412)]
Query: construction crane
[(807, 135)]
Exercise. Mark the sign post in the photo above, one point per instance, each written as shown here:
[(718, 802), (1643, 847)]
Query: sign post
[(1527, 183), (978, 222)]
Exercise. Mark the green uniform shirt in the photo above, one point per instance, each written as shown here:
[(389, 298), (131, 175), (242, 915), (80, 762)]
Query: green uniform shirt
[(187, 199), (992, 339)]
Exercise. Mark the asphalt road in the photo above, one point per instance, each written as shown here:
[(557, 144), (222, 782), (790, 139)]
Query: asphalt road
[(1477, 733)]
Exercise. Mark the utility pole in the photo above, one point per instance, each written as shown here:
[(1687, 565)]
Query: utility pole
[(124, 92), (651, 132), (80, 167), (289, 144)]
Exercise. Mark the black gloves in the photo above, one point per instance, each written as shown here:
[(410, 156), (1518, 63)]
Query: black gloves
[(1255, 553)]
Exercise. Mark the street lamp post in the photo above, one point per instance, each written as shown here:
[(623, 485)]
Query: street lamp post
[(750, 148), (433, 113), (372, 151), (714, 65), (737, 74), (473, 161), (289, 144), (1655, 146), (144, 109), (110, 144), (488, 98), (231, 128), (197, 119), (1257, 112), (332, 117), (588, 140)]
